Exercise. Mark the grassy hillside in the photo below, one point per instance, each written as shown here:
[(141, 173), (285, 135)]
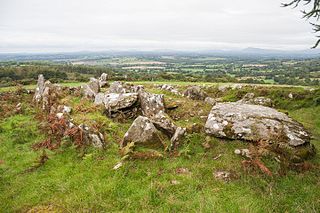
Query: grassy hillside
[(83, 180)]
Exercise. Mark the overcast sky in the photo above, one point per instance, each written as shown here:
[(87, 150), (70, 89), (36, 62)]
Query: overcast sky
[(97, 25)]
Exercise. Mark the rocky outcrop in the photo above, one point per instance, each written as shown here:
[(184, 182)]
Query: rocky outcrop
[(46, 93), (92, 88), (195, 93), (249, 98), (103, 80), (254, 123), (142, 132)]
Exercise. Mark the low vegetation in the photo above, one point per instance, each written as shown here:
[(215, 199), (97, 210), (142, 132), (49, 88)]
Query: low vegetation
[(73, 179)]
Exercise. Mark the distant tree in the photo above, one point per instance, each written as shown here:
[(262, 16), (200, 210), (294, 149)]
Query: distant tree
[(312, 12)]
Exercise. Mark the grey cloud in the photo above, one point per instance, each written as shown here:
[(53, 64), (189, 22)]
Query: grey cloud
[(46, 25)]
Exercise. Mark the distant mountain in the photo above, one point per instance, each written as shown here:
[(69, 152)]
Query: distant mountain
[(272, 52), (250, 52)]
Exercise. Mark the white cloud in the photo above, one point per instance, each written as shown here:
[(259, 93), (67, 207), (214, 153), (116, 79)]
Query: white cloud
[(59, 25)]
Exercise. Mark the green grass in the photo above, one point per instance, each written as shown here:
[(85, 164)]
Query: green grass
[(13, 88), (72, 182)]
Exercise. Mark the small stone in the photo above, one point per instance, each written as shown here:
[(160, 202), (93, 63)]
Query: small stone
[(246, 153), (174, 182), (222, 175), (182, 170), (59, 115), (117, 166), (66, 109), (237, 152)]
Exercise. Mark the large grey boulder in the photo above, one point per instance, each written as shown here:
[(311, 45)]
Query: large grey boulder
[(115, 101), (121, 105), (195, 93), (250, 98), (92, 88), (254, 123), (152, 106), (142, 132), (116, 104)]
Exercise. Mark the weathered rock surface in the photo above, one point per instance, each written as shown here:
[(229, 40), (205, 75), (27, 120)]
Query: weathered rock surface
[(163, 122), (39, 90), (249, 98), (195, 93), (137, 88), (92, 88), (176, 138), (152, 106), (115, 101), (91, 137), (142, 132), (254, 123), (103, 80), (169, 88), (124, 104), (121, 104), (46, 93), (99, 98), (119, 87)]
